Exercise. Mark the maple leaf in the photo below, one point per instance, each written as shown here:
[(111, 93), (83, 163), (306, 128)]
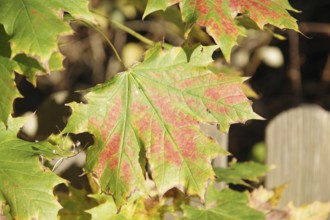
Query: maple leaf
[(238, 172), (23, 65), (218, 16), (34, 25), (8, 90), (152, 111), (7, 85), (226, 204), (25, 187)]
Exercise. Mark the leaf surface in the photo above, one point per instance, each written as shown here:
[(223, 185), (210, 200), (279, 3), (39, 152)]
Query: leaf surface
[(25, 186), (226, 204), (152, 111), (155, 5), (8, 89), (137, 208), (238, 172), (107, 209), (22, 64), (7, 85), (219, 16), (35, 25), (74, 205)]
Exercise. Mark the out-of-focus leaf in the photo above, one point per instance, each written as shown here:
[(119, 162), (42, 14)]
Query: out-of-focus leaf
[(226, 205), (266, 200), (55, 62), (314, 211), (25, 185), (237, 173), (75, 204), (137, 208), (153, 110)]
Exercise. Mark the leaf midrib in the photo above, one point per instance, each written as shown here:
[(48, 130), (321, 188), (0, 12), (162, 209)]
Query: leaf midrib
[(166, 129)]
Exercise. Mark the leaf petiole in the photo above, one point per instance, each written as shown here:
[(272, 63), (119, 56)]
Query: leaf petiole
[(126, 29), (106, 39)]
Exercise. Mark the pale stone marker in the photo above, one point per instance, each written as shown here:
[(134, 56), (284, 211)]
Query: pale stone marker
[(298, 144)]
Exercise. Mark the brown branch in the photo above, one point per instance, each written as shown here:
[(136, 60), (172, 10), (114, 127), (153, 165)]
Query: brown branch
[(309, 27), (294, 69)]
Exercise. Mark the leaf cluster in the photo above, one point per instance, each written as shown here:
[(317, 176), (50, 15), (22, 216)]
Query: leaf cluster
[(144, 121)]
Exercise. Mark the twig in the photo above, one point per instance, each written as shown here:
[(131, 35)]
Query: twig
[(325, 80), (126, 29), (294, 69), (107, 40), (132, 32), (309, 27)]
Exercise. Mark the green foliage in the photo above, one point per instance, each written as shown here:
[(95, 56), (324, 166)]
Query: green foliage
[(144, 121), (74, 205), (34, 26), (226, 204), (237, 173), (220, 17), (25, 186), (155, 107)]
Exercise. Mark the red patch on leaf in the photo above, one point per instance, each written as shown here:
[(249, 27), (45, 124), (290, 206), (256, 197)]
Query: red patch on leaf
[(160, 111)]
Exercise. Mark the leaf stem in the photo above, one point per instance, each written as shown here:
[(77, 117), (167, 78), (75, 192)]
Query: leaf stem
[(126, 29), (132, 32), (107, 40)]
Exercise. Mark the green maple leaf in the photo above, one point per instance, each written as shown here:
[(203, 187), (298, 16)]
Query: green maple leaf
[(218, 16), (25, 186), (8, 89), (225, 205), (21, 64), (35, 25), (152, 112), (238, 172), (7, 85)]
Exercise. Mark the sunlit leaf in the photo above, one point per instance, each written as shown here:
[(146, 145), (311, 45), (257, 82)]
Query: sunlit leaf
[(219, 16), (153, 111), (137, 208), (313, 211), (266, 201)]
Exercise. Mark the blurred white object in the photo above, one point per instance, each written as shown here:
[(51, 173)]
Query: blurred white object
[(31, 125), (240, 58), (271, 56)]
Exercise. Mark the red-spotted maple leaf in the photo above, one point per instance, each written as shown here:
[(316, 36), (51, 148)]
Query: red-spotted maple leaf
[(218, 16), (152, 112)]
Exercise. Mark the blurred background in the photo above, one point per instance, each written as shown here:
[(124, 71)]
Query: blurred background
[(285, 71)]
